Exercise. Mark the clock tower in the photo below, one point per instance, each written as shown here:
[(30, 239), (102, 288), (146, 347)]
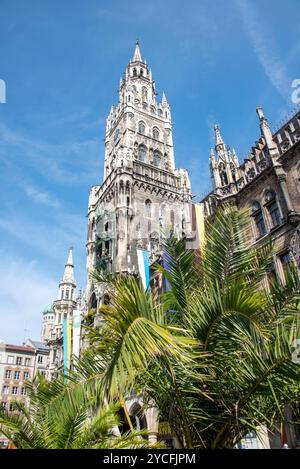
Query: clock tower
[(142, 195)]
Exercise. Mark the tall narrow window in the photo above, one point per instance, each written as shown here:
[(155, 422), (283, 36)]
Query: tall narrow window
[(258, 219), (172, 219), (285, 260), (156, 158), (134, 72), (148, 208), (223, 175), (142, 127), (144, 94), (142, 153), (155, 133), (273, 209)]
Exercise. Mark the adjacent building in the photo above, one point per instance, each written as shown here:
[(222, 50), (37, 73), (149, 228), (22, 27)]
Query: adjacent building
[(268, 182), (19, 363)]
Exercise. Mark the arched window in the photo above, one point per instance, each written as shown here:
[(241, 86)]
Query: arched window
[(272, 208), (144, 94), (141, 72), (142, 127), (67, 294), (223, 175), (134, 72), (156, 158), (148, 208), (155, 133), (258, 219), (62, 295), (163, 211), (172, 219), (142, 153), (106, 299)]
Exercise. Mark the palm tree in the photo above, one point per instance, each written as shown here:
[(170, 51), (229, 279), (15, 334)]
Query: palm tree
[(214, 353), (64, 415)]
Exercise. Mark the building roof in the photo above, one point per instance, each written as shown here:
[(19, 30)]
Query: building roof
[(49, 309), (16, 348), (40, 346)]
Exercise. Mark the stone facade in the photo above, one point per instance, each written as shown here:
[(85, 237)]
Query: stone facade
[(142, 195), (268, 182)]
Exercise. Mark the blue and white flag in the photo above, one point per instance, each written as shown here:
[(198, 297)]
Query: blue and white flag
[(144, 269)]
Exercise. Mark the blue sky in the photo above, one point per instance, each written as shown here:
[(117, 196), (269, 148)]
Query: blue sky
[(61, 61)]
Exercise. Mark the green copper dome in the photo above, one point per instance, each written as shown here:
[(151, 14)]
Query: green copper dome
[(48, 310)]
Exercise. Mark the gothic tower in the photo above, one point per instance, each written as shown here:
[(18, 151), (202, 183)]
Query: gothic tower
[(142, 195), (62, 308), (224, 166)]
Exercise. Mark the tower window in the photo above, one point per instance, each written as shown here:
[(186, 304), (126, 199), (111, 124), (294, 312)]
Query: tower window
[(148, 208), (155, 133), (142, 153), (134, 72), (258, 219), (144, 94), (156, 158), (67, 294), (141, 72), (172, 219), (223, 175), (272, 208), (142, 127)]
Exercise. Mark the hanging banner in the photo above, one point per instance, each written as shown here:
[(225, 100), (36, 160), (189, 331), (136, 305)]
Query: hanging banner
[(143, 264), (67, 339), (76, 332), (65, 346)]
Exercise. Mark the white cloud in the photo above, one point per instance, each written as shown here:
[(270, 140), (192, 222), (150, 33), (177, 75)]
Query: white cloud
[(68, 163), (41, 197), (25, 290), (264, 45)]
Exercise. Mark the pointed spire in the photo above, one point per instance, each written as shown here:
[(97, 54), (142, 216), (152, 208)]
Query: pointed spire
[(164, 101), (235, 157), (219, 140), (212, 155), (70, 257), (69, 268), (137, 54), (150, 74)]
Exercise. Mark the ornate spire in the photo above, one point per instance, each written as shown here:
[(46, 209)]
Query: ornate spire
[(212, 155), (69, 268), (235, 157), (137, 54), (219, 140), (164, 101)]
